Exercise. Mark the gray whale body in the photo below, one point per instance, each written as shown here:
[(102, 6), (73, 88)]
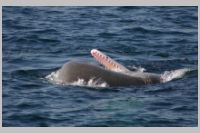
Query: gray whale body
[(72, 71)]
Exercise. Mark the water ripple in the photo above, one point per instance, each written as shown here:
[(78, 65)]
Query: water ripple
[(39, 40)]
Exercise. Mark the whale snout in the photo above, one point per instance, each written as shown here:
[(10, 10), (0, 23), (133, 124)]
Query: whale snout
[(93, 51)]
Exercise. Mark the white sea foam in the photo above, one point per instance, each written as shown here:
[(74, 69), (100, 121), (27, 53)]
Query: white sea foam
[(140, 69), (174, 74), (90, 83), (53, 77)]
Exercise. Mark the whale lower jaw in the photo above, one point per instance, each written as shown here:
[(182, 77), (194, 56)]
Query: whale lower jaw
[(108, 62)]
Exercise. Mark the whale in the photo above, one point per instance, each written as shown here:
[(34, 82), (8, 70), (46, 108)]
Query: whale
[(72, 71), (113, 73)]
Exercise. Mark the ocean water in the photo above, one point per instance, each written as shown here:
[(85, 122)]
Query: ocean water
[(39, 40)]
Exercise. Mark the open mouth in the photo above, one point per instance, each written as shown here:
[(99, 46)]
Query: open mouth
[(107, 61)]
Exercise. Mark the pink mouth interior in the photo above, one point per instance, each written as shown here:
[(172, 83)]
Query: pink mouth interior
[(106, 61)]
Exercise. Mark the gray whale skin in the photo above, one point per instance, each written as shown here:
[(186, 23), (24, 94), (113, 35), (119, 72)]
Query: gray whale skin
[(72, 71)]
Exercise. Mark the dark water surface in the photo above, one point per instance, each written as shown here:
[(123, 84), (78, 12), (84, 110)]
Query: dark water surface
[(39, 40)]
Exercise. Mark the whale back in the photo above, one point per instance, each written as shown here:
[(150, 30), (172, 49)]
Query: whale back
[(72, 71)]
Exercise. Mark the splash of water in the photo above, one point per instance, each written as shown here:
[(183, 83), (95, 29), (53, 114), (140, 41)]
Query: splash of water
[(174, 74), (139, 69), (90, 83), (53, 77)]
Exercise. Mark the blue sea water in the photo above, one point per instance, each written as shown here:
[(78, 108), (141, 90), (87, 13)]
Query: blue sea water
[(39, 40)]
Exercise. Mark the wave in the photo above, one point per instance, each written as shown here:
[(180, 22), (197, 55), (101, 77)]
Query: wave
[(157, 31)]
